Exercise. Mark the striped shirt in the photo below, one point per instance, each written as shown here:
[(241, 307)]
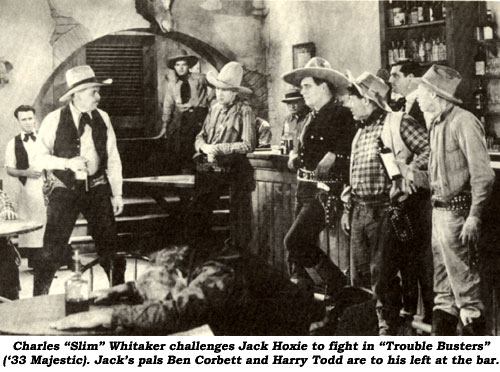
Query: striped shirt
[(231, 128), (368, 176)]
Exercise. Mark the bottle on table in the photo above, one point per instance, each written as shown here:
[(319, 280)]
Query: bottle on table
[(76, 289)]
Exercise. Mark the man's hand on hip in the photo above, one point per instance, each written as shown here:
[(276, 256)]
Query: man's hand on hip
[(117, 202)]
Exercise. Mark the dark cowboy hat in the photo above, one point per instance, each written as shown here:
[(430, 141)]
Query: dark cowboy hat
[(182, 55), (292, 95)]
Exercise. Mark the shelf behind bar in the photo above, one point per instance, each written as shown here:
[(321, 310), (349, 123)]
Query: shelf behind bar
[(417, 25)]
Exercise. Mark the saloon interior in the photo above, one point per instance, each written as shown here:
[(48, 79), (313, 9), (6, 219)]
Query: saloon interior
[(130, 42)]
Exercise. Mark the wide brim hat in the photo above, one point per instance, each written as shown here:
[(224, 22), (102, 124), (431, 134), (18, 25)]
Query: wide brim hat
[(229, 77), (319, 68), (371, 87), (292, 95), (182, 55), (80, 78), (443, 80)]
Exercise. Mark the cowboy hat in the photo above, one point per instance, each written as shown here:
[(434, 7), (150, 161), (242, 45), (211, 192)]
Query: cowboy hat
[(182, 55), (319, 68), (292, 95), (229, 77), (372, 88), (80, 78), (443, 80)]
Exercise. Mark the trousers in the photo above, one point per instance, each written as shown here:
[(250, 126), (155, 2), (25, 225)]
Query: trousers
[(62, 213)]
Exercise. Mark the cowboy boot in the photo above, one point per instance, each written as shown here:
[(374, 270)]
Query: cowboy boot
[(326, 275), (388, 322), (443, 324), (476, 328)]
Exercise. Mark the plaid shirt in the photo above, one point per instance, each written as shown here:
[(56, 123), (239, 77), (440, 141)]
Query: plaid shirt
[(230, 128), (5, 204), (368, 176)]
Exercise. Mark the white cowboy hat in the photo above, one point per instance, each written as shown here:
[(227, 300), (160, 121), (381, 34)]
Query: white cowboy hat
[(80, 78), (229, 77), (319, 68)]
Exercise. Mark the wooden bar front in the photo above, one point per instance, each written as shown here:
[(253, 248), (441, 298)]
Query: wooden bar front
[(270, 212)]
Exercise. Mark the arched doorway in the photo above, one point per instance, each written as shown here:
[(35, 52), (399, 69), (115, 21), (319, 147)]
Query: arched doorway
[(135, 59)]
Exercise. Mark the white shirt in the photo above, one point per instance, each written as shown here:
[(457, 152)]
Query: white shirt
[(45, 159)]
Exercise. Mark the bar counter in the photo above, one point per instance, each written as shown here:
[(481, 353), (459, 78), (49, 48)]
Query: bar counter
[(270, 213)]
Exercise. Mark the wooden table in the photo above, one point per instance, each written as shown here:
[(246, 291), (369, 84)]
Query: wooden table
[(19, 226), (33, 316)]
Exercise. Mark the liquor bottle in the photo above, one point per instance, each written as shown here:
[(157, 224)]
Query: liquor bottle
[(76, 289), (402, 51), (421, 49), (428, 50), (437, 10), (390, 57), (443, 55), (429, 12), (395, 52), (443, 9), (389, 161), (488, 27), (480, 61), (413, 13), (412, 50), (390, 14), (420, 11), (479, 97)]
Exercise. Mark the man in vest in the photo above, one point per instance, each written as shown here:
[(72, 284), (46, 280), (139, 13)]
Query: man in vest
[(19, 157), (78, 144), (461, 180), (184, 109), (368, 198), (416, 267), (322, 157)]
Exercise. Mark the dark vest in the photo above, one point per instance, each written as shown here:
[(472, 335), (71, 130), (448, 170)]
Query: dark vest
[(22, 161), (67, 143)]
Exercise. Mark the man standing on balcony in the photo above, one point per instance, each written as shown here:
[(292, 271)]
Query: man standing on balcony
[(184, 109), (77, 144), (461, 180), (322, 157)]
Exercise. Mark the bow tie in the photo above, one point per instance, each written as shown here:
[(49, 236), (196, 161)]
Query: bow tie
[(27, 136)]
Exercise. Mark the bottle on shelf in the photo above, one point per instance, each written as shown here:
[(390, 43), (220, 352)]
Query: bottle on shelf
[(437, 10), (435, 50), (390, 14), (389, 161), (480, 61), (402, 51), (480, 97), (428, 50), (429, 12), (413, 19), (390, 54), (413, 49), (443, 56), (420, 12), (76, 289), (488, 27), (399, 15), (421, 50), (395, 52)]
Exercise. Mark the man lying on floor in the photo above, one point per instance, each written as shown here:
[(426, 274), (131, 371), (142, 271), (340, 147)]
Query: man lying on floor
[(234, 292)]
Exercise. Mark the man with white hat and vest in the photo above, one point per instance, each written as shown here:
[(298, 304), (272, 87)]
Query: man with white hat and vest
[(461, 181), (77, 144), (184, 109), (228, 133), (322, 157), (367, 216)]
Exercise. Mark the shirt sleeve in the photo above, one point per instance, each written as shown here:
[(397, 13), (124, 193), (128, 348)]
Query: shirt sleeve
[(168, 106), (471, 140), (201, 138), (114, 170), (43, 158), (10, 155), (208, 292), (416, 139), (248, 135), (202, 91)]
